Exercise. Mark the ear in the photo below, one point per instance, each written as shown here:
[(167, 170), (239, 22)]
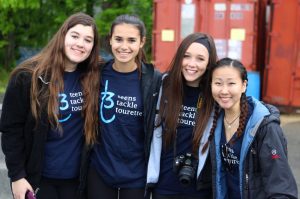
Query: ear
[(245, 85), (110, 41), (143, 41)]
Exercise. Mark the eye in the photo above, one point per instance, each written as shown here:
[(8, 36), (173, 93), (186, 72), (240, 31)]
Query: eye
[(118, 39), (186, 56), (131, 40), (88, 41), (217, 83), (74, 36), (200, 59)]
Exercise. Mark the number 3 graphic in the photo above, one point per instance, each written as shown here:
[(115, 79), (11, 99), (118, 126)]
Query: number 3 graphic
[(64, 105), (107, 96), (63, 102)]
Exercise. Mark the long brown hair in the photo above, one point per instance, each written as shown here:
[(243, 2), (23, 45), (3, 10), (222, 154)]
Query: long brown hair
[(171, 101), (226, 62), (47, 68)]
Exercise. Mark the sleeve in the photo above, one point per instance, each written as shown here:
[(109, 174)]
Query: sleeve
[(15, 109), (277, 176), (153, 169)]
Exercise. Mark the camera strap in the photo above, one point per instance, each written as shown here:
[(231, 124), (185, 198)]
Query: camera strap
[(174, 144)]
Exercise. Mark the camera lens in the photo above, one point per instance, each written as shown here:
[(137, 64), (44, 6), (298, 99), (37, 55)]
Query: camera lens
[(186, 175)]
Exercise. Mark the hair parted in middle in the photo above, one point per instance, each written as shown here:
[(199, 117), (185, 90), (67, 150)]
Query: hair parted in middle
[(228, 62), (139, 24), (172, 97)]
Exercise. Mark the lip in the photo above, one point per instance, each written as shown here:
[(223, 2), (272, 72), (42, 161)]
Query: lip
[(77, 51), (190, 71), (225, 99), (123, 53)]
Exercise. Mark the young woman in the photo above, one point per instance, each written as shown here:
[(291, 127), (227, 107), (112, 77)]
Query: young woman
[(177, 168), (129, 91), (49, 110), (249, 150)]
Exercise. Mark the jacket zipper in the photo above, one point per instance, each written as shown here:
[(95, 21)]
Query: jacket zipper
[(247, 182)]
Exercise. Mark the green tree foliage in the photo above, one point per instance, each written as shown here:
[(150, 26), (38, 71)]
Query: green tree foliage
[(31, 23), (8, 27)]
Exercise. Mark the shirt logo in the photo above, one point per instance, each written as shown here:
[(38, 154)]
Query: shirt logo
[(106, 103), (74, 103)]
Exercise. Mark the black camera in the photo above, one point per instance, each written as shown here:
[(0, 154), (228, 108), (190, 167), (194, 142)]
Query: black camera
[(185, 167)]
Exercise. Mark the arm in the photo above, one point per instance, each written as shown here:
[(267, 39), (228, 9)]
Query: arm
[(20, 187), (16, 106), (277, 177)]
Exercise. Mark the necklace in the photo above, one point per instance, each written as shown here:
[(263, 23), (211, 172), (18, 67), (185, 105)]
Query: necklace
[(230, 123)]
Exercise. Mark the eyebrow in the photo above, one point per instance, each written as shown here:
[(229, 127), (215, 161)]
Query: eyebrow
[(197, 55), (227, 79), (91, 37), (217, 78), (116, 36)]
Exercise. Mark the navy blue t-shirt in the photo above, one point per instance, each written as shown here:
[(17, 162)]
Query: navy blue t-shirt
[(230, 154), (62, 149), (231, 161), (169, 183), (119, 156)]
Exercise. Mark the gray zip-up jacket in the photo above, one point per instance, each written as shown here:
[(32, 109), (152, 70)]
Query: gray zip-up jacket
[(264, 169)]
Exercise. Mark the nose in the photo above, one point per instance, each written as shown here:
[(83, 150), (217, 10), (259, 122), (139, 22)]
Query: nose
[(124, 45), (80, 43), (224, 89), (192, 62)]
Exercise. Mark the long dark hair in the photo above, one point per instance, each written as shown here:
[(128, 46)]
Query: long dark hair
[(171, 101), (49, 65), (228, 62), (139, 24)]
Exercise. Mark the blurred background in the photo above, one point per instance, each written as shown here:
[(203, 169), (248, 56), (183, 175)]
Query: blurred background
[(253, 31), (27, 25)]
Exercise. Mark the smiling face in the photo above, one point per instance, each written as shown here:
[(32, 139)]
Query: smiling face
[(79, 42), (194, 63), (126, 43), (227, 87)]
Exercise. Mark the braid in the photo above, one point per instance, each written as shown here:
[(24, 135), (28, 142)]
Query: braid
[(243, 117), (212, 130)]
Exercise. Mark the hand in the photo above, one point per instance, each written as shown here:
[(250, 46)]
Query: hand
[(20, 187)]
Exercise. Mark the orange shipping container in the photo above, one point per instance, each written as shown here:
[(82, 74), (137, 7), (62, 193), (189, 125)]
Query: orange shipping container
[(281, 84), (234, 24), (165, 37)]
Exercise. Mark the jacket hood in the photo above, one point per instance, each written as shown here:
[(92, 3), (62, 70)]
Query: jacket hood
[(259, 114), (274, 115)]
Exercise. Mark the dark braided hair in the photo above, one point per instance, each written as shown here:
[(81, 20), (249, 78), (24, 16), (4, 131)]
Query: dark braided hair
[(243, 116), (214, 125)]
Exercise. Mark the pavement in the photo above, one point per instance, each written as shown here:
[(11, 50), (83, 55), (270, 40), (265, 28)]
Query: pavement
[(289, 123)]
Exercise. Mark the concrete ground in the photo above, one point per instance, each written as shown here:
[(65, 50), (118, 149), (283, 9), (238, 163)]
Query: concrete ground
[(290, 125)]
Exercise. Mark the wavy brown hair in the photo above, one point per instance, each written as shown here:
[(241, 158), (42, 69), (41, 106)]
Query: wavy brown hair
[(47, 69), (172, 96), (228, 62)]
